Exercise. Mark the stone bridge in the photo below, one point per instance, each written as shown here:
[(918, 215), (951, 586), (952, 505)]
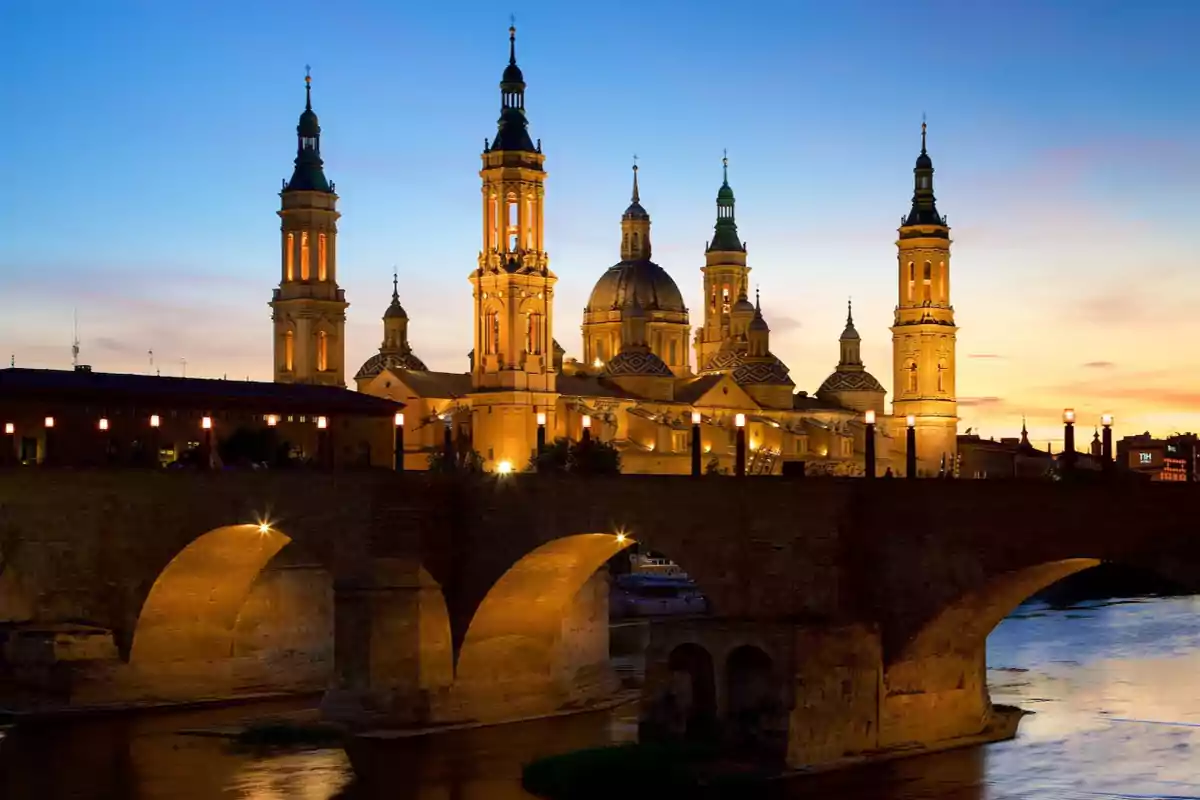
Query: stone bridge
[(856, 611)]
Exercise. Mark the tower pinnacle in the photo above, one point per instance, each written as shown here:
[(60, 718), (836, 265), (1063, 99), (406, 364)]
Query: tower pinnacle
[(725, 235), (309, 173)]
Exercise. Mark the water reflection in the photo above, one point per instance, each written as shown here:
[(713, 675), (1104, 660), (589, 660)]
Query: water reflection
[(1116, 688)]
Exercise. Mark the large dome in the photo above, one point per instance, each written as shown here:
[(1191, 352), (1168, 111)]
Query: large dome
[(859, 381), (393, 361), (650, 283)]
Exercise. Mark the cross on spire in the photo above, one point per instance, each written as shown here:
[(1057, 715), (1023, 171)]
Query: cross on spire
[(923, 132), (635, 198)]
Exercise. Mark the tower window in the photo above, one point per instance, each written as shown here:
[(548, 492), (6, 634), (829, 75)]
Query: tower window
[(289, 351), (912, 377), (923, 182), (513, 224), (491, 332), (941, 376), (529, 224), (928, 282), (304, 256), (636, 247), (322, 273), (289, 258), (725, 299), (322, 351), (533, 333), (912, 278), (673, 352)]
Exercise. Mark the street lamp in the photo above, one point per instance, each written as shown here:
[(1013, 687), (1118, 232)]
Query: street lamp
[(155, 421), (695, 444), (541, 438), (1068, 456), (207, 449), (587, 429), (869, 450), (739, 464), (1106, 442), (272, 420), (910, 442), (103, 424), (398, 441), (49, 422)]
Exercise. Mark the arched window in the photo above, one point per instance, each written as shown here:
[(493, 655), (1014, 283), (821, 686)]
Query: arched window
[(289, 351), (912, 376), (942, 376), (912, 278), (943, 282), (673, 352), (928, 282), (513, 225), (635, 242), (322, 351), (491, 332), (533, 332), (304, 273), (322, 271), (289, 258)]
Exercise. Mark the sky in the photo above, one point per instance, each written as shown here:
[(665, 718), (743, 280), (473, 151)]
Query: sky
[(144, 143)]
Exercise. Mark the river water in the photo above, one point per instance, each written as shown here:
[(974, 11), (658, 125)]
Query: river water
[(1115, 686)]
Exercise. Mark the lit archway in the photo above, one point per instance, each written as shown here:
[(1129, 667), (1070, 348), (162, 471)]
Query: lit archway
[(512, 659), (192, 609)]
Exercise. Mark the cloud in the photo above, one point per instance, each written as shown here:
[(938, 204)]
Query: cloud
[(1099, 365), (781, 323), (981, 402), (984, 355)]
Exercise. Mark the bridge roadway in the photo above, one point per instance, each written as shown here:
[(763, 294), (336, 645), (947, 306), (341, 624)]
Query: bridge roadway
[(852, 614)]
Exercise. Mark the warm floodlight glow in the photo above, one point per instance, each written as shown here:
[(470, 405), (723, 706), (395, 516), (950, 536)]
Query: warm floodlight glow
[(504, 467), (9, 428), (399, 420), (272, 420), (739, 420), (911, 421), (103, 424), (155, 421), (870, 416), (587, 421), (206, 423), (49, 422), (264, 528), (1106, 420), (1069, 416), (541, 419), (597, 363), (695, 417), (322, 423), (621, 537)]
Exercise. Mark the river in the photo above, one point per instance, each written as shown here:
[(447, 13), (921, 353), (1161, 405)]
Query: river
[(1115, 686)]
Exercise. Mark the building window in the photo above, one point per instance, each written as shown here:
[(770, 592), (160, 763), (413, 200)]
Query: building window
[(513, 228), (322, 273), (928, 282), (912, 377), (322, 351), (1145, 458), (289, 257), (725, 299), (941, 376), (679, 441), (304, 255), (533, 333), (912, 278), (491, 332), (289, 351)]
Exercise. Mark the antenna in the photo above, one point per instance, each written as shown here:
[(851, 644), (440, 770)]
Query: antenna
[(75, 339), (183, 362), (151, 354)]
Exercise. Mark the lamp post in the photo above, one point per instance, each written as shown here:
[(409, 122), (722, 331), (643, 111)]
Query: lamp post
[(206, 447), (49, 449), (1068, 455), (541, 440), (324, 451), (869, 448), (586, 437), (695, 444), (449, 464), (105, 439), (739, 464), (1106, 443), (8, 450), (155, 422), (910, 447), (398, 442)]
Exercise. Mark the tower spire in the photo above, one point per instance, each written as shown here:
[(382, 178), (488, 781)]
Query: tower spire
[(725, 236), (512, 40), (850, 312), (307, 88), (924, 204), (512, 133), (309, 174), (635, 198)]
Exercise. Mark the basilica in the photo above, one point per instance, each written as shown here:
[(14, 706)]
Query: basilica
[(637, 383)]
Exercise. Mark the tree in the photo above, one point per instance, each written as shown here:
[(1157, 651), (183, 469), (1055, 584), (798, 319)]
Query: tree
[(581, 458), (250, 446), (462, 461)]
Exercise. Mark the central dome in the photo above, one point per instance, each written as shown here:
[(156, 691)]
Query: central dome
[(645, 280)]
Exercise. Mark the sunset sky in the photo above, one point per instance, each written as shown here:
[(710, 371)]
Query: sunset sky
[(144, 144)]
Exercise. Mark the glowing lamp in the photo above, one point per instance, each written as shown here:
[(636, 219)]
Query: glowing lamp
[(272, 420), (206, 423), (587, 421), (264, 528), (1069, 416), (621, 537), (870, 416), (399, 420), (504, 467), (739, 420), (322, 423), (541, 419), (695, 417), (9, 428), (911, 421), (597, 363), (155, 421), (49, 422), (1106, 420), (103, 423)]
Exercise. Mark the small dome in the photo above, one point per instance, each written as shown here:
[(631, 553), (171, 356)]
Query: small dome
[(924, 161), (309, 126), (635, 211), (393, 361), (395, 311), (645, 280), (768, 371), (850, 332), (512, 74), (637, 361), (758, 323), (850, 381), (742, 306), (722, 361)]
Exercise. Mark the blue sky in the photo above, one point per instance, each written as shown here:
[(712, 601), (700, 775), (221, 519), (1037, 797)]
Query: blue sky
[(145, 144)]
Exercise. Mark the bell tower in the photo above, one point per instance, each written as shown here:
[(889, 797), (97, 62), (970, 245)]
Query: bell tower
[(513, 372), (308, 309), (726, 276), (923, 333)]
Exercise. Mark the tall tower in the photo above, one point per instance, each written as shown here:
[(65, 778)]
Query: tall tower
[(513, 370), (308, 308), (923, 334), (726, 276)]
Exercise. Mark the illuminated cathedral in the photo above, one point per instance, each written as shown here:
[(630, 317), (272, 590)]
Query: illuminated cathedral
[(637, 383)]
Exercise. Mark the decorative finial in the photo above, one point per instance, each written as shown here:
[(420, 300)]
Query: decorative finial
[(636, 198), (307, 88), (395, 284), (512, 39), (757, 303), (850, 312), (923, 133), (725, 163)]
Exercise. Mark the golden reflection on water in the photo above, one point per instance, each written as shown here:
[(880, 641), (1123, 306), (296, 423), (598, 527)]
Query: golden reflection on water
[(1115, 688)]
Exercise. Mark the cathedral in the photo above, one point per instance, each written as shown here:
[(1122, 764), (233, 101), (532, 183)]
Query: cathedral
[(637, 384)]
